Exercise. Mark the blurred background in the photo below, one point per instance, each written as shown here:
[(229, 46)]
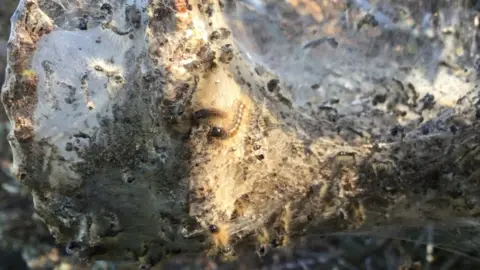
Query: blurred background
[(299, 39)]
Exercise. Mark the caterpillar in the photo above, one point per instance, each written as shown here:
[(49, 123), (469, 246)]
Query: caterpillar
[(238, 120), (207, 113), (181, 5), (182, 15), (222, 133)]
